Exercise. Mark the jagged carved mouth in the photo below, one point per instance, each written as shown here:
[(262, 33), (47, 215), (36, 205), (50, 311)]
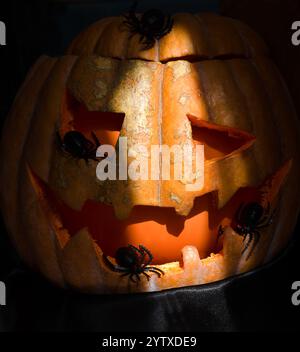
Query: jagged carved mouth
[(159, 229)]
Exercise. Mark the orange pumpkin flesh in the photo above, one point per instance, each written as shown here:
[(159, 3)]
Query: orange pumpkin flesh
[(209, 81)]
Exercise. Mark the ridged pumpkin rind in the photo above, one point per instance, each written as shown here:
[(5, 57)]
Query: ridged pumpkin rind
[(245, 92)]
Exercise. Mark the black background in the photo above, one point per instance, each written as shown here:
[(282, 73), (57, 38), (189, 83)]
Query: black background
[(257, 301)]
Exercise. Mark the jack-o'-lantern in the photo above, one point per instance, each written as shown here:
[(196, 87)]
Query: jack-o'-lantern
[(156, 80)]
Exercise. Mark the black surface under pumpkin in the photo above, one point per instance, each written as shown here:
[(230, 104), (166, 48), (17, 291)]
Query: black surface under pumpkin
[(256, 301)]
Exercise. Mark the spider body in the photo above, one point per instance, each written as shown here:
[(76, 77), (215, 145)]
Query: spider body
[(78, 146), (133, 261), (249, 219), (152, 25)]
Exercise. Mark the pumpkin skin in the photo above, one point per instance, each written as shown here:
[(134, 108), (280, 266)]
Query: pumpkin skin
[(208, 81)]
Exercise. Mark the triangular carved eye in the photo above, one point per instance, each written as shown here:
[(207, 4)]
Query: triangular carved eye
[(75, 115), (219, 141)]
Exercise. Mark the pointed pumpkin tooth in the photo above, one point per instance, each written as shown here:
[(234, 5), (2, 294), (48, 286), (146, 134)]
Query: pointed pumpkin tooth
[(185, 207), (81, 265), (216, 266), (197, 271), (190, 258), (191, 265)]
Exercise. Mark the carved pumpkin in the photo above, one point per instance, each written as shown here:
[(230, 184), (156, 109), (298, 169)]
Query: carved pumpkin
[(208, 81)]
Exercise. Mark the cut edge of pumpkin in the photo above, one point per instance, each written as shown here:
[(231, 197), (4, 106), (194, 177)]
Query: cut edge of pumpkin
[(235, 140)]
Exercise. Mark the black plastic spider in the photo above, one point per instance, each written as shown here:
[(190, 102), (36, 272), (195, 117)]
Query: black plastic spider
[(152, 25), (251, 218), (132, 261), (75, 144)]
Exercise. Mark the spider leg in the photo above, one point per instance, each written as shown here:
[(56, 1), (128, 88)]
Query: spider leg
[(133, 25), (131, 20), (95, 159), (268, 221), (148, 43), (61, 146), (140, 252), (96, 140), (113, 267), (131, 278), (239, 230), (262, 221), (125, 274), (92, 155), (67, 154), (133, 28), (147, 276), (141, 38), (167, 28), (137, 276), (170, 23), (266, 214), (256, 236), (142, 258), (155, 270), (108, 263), (263, 226), (150, 256), (132, 11), (136, 249), (89, 145), (250, 234), (131, 35)]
